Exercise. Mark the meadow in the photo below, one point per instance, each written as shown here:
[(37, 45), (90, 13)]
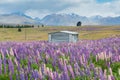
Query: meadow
[(96, 56), (85, 32)]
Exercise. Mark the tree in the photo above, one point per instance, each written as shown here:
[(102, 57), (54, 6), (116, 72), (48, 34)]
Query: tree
[(79, 23), (32, 26), (38, 26), (42, 25)]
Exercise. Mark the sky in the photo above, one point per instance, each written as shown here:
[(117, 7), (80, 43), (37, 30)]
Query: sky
[(41, 8)]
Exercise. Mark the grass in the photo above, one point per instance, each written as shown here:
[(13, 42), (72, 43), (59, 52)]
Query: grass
[(32, 34)]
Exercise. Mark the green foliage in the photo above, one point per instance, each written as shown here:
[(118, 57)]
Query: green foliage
[(115, 66), (117, 76), (50, 60), (65, 57), (50, 66), (0, 56), (102, 64), (46, 78), (40, 61), (14, 76), (4, 77), (35, 66), (24, 62), (43, 55)]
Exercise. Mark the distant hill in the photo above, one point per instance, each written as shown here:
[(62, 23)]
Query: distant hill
[(17, 18), (58, 19)]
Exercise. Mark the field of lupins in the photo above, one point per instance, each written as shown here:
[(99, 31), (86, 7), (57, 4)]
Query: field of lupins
[(40, 60)]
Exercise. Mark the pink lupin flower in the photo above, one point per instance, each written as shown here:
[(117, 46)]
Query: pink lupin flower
[(119, 57), (81, 61), (51, 75), (49, 72), (71, 71), (83, 57), (110, 54), (109, 77), (105, 74), (38, 54), (16, 62), (61, 61)]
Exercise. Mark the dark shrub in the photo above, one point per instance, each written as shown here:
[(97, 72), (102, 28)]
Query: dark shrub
[(19, 30)]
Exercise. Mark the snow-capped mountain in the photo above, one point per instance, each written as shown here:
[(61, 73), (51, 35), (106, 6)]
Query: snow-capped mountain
[(63, 19), (72, 19), (58, 19)]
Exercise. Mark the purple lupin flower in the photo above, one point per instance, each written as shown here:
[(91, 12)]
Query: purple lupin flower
[(18, 67), (10, 76), (17, 76), (101, 74), (11, 66), (65, 73), (4, 62), (76, 69), (22, 77), (42, 69), (56, 76), (71, 71), (95, 73), (26, 73), (29, 65), (91, 66), (87, 71), (0, 66), (60, 64), (36, 75), (112, 77)]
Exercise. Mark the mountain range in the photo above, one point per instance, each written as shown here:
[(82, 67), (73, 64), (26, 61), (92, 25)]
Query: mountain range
[(58, 19)]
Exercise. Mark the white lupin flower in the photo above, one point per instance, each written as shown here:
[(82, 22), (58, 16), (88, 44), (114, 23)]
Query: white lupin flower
[(110, 71), (105, 73), (119, 71), (11, 52)]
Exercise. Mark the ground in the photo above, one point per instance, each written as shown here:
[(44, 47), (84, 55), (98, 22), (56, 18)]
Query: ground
[(85, 32)]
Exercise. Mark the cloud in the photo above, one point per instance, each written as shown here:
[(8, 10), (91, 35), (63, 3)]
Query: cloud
[(9, 1), (18, 1), (92, 8), (40, 8)]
